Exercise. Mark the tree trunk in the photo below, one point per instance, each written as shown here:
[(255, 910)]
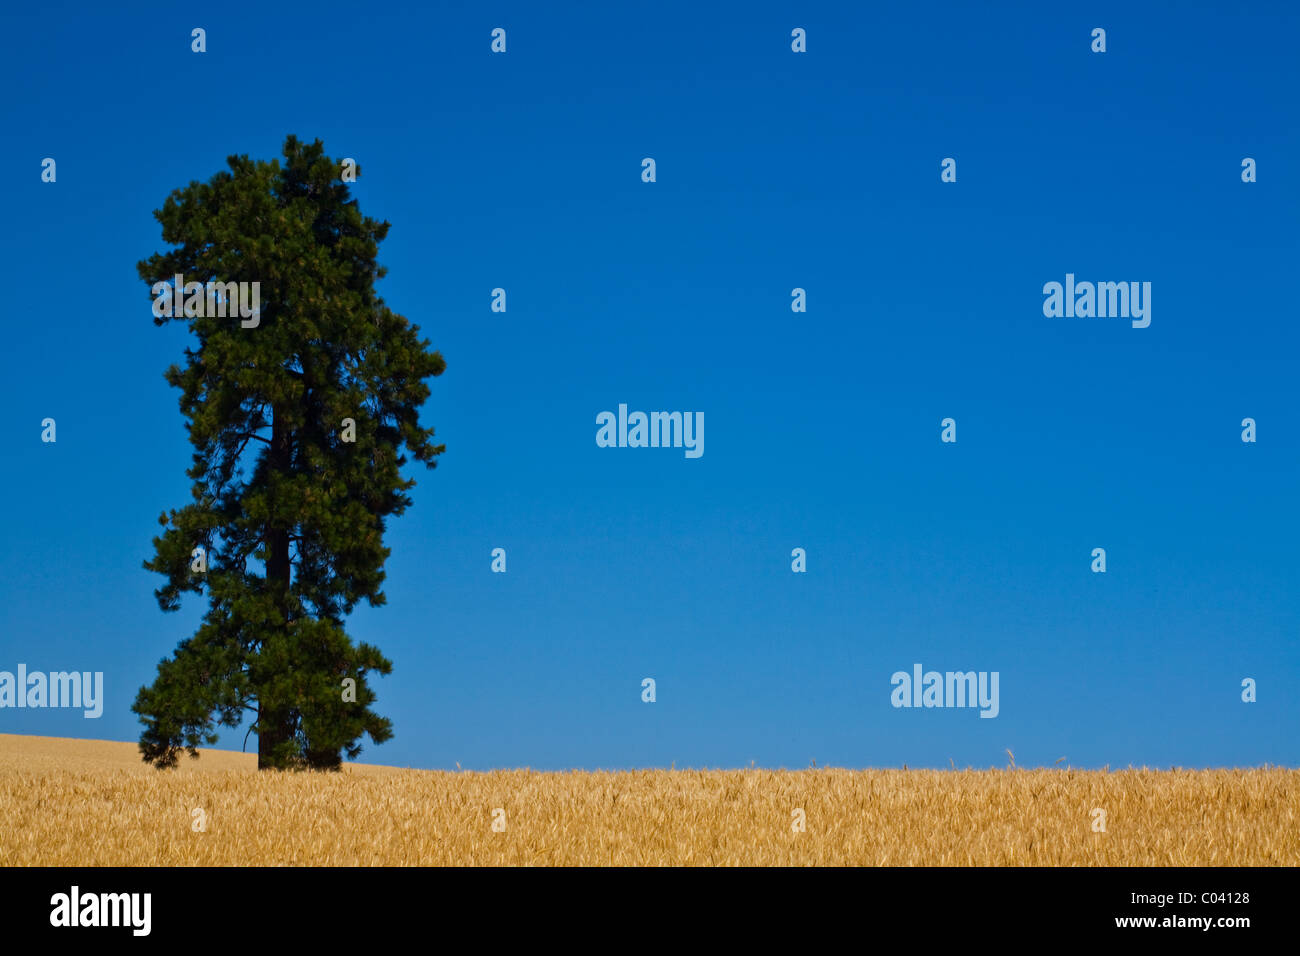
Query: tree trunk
[(275, 726)]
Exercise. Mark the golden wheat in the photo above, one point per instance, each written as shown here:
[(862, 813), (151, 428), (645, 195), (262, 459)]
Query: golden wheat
[(93, 803)]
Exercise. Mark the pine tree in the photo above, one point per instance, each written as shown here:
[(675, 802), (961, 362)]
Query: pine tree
[(291, 516)]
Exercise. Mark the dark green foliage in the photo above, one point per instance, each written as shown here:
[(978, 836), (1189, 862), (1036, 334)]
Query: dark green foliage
[(292, 518)]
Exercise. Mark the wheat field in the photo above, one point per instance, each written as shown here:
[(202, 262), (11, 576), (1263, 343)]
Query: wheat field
[(93, 803)]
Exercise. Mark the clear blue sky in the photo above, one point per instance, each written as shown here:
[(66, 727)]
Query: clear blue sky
[(775, 170)]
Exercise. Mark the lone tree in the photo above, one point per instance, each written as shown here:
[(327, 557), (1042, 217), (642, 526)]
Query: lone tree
[(290, 500)]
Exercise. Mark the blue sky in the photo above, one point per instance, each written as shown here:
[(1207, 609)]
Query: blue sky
[(775, 170)]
